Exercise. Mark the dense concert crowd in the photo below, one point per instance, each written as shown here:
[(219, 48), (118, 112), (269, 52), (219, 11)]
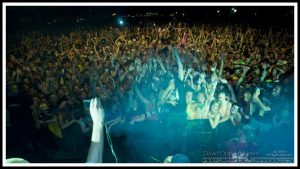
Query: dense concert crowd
[(206, 87)]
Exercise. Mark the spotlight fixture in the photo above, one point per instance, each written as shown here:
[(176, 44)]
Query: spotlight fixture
[(121, 22)]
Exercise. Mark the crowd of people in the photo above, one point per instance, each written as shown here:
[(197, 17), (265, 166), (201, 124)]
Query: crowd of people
[(206, 87)]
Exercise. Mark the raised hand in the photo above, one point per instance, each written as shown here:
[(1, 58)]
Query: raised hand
[(97, 111), (214, 67), (202, 75), (173, 102), (131, 67), (214, 77), (256, 94), (223, 80), (171, 87), (246, 68), (189, 70), (97, 141)]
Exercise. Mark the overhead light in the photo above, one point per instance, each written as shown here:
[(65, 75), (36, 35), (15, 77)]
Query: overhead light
[(218, 11)]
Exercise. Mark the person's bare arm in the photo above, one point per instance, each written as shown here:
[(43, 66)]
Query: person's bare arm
[(161, 65), (210, 95), (194, 87), (186, 74), (266, 50), (129, 102), (221, 68), (227, 113), (233, 97), (241, 79), (117, 49), (165, 95), (261, 105), (140, 96), (95, 152), (179, 63), (95, 50), (258, 101), (264, 74), (112, 81), (214, 79), (214, 122)]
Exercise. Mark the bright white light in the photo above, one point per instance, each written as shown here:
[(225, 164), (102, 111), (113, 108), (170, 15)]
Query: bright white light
[(235, 10), (218, 11), (121, 22), (183, 14), (232, 9)]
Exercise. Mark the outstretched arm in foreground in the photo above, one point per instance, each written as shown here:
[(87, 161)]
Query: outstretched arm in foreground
[(97, 141)]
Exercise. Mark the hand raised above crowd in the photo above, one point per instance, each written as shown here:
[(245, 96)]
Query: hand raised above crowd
[(97, 111)]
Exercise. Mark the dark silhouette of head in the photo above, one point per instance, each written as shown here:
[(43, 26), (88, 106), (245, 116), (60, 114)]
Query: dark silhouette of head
[(180, 158)]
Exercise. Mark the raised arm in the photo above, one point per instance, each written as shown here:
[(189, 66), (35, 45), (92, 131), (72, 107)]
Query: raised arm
[(258, 101), (264, 74), (222, 65), (186, 74), (164, 96), (179, 63), (241, 79), (161, 65), (232, 94), (194, 87), (139, 95), (280, 70), (129, 102), (113, 82), (96, 52), (214, 79), (95, 153)]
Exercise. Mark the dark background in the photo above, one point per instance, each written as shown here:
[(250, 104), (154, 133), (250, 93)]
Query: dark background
[(28, 18)]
